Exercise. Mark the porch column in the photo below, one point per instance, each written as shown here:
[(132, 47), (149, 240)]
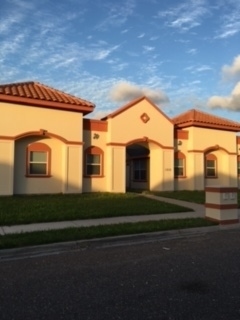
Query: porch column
[(72, 167), (6, 167), (116, 169), (233, 177), (195, 171), (156, 170)]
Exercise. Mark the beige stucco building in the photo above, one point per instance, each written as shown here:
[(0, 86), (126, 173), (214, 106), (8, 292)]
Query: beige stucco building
[(48, 146)]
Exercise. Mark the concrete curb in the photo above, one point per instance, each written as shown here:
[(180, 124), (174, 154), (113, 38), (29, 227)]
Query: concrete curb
[(63, 247), (44, 226)]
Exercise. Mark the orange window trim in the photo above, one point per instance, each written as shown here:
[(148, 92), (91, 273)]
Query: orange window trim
[(211, 156), (41, 147), (238, 163), (97, 151), (180, 155)]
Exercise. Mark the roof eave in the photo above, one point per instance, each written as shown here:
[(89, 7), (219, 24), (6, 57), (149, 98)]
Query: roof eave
[(131, 104), (207, 126), (85, 109)]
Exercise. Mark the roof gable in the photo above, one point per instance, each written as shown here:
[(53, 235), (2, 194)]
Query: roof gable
[(198, 118), (131, 104), (40, 95)]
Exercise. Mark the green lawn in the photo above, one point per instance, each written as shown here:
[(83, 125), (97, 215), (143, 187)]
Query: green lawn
[(186, 195), (74, 234), (46, 208)]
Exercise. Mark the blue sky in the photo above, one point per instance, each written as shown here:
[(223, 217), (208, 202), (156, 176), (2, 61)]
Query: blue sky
[(181, 54)]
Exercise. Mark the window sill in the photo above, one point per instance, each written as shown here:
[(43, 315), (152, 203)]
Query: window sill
[(180, 177), (211, 177), (90, 177), (37, 176)]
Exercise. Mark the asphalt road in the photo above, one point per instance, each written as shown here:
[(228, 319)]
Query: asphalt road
[(191, 278)]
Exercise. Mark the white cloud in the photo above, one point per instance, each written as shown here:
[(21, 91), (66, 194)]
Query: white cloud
[(228, 33), (99, 114), (153, 38), (148, 48), (192, 51), (125, 91), (104, 53), (230, 24), (120, 66), (22, 4), (12, 45), (141, 35), (203, 68), (186, 15), (195, 69), (232, 71), (118, 14), (8, 22), (231, 102)]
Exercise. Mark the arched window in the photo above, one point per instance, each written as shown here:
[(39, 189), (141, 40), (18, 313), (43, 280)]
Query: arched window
[(179, 164), (210, 166), (38, 160), (93, 162)]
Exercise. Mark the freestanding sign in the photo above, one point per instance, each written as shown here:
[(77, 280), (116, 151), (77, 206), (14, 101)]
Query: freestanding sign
[(221, 204)]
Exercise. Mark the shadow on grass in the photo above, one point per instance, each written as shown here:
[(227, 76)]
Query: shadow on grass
[(48, 208)]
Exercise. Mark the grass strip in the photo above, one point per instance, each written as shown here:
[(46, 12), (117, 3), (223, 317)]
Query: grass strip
[(184, 195), (197, 196), (47, 208), (74, 234)]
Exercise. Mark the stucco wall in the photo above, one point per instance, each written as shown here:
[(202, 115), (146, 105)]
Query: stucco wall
[(6, 167), (202, 138), (95, 184), (66, 168), (72, 181), (63, 123), (201, 141), (37, 185), (128, 125), (65, 141)]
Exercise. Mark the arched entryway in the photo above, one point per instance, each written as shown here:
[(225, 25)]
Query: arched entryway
[(137, 166), (149, 165)]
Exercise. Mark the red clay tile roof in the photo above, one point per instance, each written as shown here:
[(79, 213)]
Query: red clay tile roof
[(40, 95), (198, 118)]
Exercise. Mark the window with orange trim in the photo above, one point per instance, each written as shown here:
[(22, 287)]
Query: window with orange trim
[(38, 160), (210, 166), (93, 161), (238, 165), (179, 164)]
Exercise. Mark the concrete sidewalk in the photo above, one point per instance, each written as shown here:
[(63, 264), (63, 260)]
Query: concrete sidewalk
[(199, 211)]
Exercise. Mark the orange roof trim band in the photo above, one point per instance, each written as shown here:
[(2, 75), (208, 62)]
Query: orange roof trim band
[(95, 125)]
